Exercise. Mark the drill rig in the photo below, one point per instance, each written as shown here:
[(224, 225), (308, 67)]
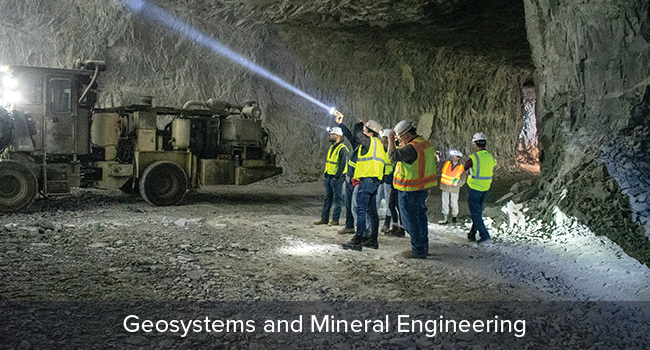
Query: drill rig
[(52, 139)]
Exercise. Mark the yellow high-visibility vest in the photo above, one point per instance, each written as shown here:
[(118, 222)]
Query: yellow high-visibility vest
[(388, 169), (372, 163), (331, 167), (482, 170), (422, 173), (449, 175)]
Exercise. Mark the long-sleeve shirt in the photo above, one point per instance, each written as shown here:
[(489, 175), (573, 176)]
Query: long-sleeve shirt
[(352, 135), (355, 146), (406, 154)]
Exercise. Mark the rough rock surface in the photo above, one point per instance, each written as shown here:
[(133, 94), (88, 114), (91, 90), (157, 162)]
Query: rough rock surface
[(455, 66), (366, 58), (591, 62), (258, 244)]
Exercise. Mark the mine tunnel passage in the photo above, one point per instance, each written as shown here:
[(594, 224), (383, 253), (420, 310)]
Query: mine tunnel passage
[(527, 148)]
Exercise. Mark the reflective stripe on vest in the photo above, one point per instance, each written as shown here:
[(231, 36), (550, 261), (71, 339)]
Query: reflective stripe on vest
[(449, 174), (372, 163), (331, 167), (422, 173), (482, 170)]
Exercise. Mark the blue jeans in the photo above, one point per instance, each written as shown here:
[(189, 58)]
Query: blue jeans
[(349, 216), (367, 205), (383, 192), (475, 201), (333, 191), (413, 212)]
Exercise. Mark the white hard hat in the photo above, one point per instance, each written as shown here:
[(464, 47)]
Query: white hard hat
[(479, 136), (374, 126), (456, 153), (384, 133), (335, 130), (402, 127)]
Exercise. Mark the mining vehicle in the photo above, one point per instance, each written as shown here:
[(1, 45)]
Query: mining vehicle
[(52, 138)]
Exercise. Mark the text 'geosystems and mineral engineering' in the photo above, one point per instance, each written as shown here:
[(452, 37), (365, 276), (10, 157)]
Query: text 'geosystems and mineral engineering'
[(327, 324)]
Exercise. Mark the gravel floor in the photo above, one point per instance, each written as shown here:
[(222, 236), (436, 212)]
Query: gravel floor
[(258, 243)]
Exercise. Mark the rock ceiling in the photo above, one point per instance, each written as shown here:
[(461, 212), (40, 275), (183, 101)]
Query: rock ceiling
[(488, 27)]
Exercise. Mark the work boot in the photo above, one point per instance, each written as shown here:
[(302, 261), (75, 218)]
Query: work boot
[(354, 244), (320, 222), (444, 221), (453, 220), (346, 230), (397, 232), (386, 226), (333, 223), (471, 237), (408, 254), (371, 242), (486, 239)]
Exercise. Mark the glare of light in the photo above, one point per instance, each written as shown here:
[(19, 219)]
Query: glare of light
[(332, 110), (11, 97), (9, 82), (157, 14), (301, 248)]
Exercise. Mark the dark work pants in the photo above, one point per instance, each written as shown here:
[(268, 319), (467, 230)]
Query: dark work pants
[(476, 200), (349, 217), (393, 205), (333, 191), (367, 205), (413, 212)]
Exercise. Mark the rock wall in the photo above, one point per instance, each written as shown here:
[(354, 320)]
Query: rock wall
[(365, 72), (449, 95), (592, 65)]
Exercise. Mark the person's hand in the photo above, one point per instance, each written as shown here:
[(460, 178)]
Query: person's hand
[(391, 135), (339, 117)]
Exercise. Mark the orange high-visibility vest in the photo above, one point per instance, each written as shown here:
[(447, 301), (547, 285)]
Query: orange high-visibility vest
[(422, 173), (449, 174)]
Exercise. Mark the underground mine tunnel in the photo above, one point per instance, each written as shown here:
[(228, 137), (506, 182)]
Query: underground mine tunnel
[(560, 88)]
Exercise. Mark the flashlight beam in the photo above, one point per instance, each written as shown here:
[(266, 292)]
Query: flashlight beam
[(157, 14)]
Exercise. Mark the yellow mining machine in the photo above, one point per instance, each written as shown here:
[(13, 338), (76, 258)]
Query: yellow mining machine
[(52, 139)]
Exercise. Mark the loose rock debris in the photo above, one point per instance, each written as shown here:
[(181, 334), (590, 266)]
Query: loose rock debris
[(218, 245)]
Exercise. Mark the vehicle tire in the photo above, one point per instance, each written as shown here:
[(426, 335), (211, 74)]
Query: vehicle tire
[(18, 186), (163, 183)]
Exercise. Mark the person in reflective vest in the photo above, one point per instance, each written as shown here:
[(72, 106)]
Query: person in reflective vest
[(351, 187), (335, 169), (386, 187), (451, 180), (369, 171), (415, 174), (480, 168)]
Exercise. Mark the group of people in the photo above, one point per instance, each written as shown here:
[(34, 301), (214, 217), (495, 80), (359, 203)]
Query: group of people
[(400, 166)]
